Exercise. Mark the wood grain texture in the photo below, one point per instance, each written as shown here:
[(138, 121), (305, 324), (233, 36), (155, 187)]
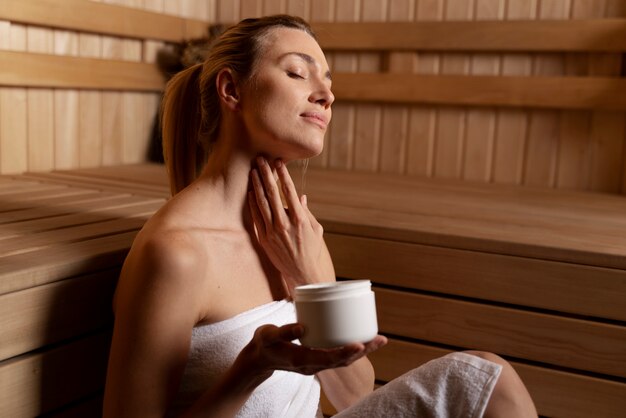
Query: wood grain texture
[(29, 384), (48, 314), (42, 70), (577, 344), (14, 112), (548, 92), (86, 16), (66, 105), (559, 287)]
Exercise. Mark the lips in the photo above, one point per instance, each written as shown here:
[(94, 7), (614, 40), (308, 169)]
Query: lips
[(317, 118)]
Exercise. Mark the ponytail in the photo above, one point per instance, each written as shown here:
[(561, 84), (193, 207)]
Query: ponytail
[(181, 122)]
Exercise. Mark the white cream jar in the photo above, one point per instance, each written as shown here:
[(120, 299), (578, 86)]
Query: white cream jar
[(336, 314)]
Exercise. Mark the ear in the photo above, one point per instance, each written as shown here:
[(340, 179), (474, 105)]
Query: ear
[(227, 88)]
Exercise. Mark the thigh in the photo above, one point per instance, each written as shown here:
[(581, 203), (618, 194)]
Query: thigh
[(456, 385)]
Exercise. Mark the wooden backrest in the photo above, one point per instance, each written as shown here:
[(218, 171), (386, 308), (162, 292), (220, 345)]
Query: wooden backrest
[(522, 101)]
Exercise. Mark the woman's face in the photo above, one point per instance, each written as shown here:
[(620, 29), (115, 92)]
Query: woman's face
[(286, 106)]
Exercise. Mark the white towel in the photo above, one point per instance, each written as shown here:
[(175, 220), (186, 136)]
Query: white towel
[(457, 385), (214, 348)]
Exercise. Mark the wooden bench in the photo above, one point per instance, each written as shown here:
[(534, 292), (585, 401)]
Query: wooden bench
[(536, 276), (63, 239)]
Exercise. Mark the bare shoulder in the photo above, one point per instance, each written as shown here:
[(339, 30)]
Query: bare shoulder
[(163, 263)]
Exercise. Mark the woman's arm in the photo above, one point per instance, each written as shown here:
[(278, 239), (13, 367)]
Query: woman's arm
[(157, 305), (294, 242)]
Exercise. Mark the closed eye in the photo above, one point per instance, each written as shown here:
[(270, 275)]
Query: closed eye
[(294, 75)]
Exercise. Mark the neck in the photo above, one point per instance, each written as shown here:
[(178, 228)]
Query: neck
[(225, 181)]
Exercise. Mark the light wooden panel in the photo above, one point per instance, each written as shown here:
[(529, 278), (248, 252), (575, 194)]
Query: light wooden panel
[(481, 122), (86, 16), (368, 116), (41, 118), (339, 149), (577, 344), (555, 393), (555, 35), (538, 92), (66, 122), (14, 111), (43, 70), (40, 316), (560, 287)]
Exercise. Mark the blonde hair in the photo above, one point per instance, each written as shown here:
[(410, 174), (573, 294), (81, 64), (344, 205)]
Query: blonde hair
[(190, 111)]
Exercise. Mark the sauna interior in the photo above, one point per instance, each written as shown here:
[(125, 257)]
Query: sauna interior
[(474, 171)]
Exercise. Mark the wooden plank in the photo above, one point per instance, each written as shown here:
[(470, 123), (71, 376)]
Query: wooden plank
[(14, 112), (66, 115), (43, 70), (76, 204), (452, 121), (90, 109), (48, 265), (522, 36), (578, 344), (555, 393), (111, 209), (41, 123), (423, 120), (94, 181), (87, 16), (368, 116), (24, 190), (29, 384), (38, 241), (339, 151), (42, 198), (512, 128), (541, 151), (511, 91), (395, 119), (481, 123), (562, 287), (47, 314), (145, 173)]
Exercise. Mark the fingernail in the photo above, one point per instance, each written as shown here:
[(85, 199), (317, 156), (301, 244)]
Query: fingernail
[(279, 163)]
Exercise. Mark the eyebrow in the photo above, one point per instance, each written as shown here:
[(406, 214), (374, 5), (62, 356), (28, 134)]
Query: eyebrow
[(308, 59)]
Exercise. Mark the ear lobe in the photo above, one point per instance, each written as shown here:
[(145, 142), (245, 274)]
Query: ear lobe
[(227, 88)]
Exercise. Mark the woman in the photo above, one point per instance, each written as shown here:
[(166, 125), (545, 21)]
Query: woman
[(204, 326)]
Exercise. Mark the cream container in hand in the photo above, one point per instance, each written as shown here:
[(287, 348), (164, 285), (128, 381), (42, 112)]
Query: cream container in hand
[(336, 314)]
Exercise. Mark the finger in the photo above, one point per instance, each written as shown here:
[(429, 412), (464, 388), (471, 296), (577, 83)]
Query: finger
[(286, 333), (272, 192), (257, 218), (261, 201), (289, 190), (378, 342)]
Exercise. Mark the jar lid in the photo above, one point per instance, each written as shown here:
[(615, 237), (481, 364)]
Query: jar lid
[(332, 290)]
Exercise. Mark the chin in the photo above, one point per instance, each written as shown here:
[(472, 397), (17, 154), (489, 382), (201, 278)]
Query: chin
[(300, 150)]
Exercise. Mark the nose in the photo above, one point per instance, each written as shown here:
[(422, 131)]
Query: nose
[(322, 95)]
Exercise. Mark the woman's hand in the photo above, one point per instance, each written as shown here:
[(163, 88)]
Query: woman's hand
[(292, 239), (272, 349)]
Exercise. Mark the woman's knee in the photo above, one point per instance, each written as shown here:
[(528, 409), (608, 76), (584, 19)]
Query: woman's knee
[(509, 393)]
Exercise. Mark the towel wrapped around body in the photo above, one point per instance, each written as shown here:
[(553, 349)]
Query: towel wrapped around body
[(456, 385), (213, 350)]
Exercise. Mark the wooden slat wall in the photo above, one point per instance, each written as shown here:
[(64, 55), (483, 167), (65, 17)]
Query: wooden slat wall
[(576, 149), (567, 149)]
